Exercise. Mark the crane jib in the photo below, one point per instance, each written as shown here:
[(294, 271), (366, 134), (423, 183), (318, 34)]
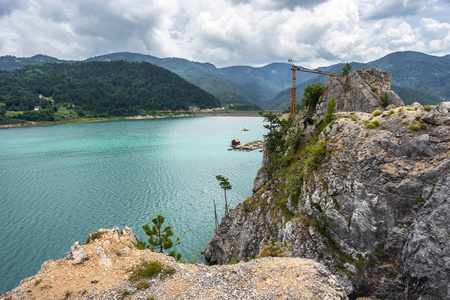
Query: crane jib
[(293, 89)]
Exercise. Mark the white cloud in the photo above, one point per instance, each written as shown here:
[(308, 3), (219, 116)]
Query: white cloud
[(225, 32)]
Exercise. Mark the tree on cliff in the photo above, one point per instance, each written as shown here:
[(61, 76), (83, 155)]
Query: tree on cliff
[(346, 69), (225, 185), (274, 146), (311, 96), (159, 237)]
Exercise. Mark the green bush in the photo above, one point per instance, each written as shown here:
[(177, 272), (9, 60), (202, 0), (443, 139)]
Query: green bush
[(93, 236), (323, 223), (146, 270), (390, 112), (385, 100), (372, 124), (330, 111), (143, 284), (275, 249), (311, 96), (376, 113), (427, 107), (36, 282), (315, 154), (414, 127)]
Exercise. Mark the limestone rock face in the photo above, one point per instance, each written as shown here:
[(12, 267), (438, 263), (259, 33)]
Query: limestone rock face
[(361, 91), (425, 255), (265, 278), (375, 210)]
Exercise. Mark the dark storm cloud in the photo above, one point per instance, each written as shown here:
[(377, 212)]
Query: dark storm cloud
[(394, 8), (288, 4), (8, 6)]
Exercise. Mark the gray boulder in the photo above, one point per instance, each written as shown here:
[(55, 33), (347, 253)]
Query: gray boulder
[(130, 233), (438, 115), (77, 253)]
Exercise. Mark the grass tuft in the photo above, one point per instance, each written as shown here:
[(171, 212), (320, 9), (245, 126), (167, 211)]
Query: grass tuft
[(376, 113), (372, 124), (37, 281)]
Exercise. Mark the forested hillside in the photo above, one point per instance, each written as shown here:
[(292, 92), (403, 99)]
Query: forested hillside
[(95, 89), (416, 76)]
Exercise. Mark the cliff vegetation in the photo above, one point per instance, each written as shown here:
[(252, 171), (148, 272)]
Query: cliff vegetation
[(360, 183)]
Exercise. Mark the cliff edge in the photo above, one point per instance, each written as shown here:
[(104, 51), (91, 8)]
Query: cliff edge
[(110, 267), (364, 190)]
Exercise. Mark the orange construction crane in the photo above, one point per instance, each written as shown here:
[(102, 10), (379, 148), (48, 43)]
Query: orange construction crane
[(293, 89)]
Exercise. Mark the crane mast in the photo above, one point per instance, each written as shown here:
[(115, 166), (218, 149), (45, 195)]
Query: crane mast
[(293, 89)]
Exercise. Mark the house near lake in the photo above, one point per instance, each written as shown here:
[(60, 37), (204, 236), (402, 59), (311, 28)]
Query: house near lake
[(235, 142)]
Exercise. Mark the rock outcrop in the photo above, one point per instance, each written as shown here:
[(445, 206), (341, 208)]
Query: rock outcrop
[(112, 259), (439, 115), (367, 195), (362, 91)]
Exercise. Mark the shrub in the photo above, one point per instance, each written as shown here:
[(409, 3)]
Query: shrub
[(385, 100), (323, 223), (372, 124), (419, 200), (37, 281), (311, 95), (390, 112), (315, 154), (93, 236), (146, 270), (400, 109), (330, 111), (354, 119), (376, 113), (143, 284), (414, 127), (274, 249), (427, 107)]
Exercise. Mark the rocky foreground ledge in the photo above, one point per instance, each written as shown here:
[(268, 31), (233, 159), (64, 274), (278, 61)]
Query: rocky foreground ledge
[(101, 269)]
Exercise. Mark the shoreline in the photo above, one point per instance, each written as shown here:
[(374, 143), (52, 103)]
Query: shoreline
[(138, 117)]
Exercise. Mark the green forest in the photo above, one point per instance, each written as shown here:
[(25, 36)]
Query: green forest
[(94, 89)]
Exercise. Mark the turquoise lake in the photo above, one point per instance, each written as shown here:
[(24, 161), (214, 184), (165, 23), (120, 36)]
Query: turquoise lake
[(58, 183)]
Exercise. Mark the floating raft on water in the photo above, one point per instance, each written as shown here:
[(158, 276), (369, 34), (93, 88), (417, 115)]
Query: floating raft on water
[(249, 146)]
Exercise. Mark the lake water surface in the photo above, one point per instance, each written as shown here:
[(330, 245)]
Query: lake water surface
[(58, 183)]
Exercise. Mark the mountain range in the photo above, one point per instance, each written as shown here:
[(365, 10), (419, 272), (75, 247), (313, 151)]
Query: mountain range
[(417, 77)]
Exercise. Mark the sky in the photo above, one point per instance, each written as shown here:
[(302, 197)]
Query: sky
[(226, 32)]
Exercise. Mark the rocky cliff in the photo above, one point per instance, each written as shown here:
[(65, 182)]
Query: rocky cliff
[(110, 267), (366, 194)]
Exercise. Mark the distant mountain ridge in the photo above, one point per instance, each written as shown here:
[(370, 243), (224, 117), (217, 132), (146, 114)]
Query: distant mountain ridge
[(416, 76)]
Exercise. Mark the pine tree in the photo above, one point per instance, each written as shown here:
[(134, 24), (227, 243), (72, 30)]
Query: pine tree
[(159, 237), (225, 185)]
